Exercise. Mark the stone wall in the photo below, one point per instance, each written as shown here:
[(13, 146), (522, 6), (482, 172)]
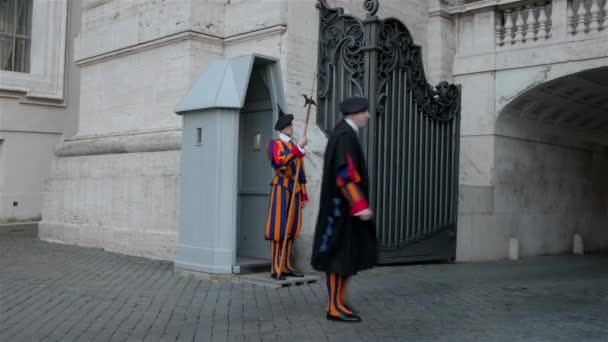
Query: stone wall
[(115, 184), (546, 193), (125, 203), (33, 119)]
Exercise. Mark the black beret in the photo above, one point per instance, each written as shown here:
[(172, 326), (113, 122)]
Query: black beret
[(354, 104), (283, 121)]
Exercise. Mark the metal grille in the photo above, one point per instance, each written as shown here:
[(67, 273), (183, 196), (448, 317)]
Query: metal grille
[(412, 141)]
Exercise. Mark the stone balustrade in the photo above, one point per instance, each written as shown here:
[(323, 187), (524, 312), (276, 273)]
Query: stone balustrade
[(527, 23), (523, 24), (587, 16)]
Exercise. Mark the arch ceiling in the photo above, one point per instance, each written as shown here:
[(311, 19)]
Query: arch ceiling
[(578, 102)]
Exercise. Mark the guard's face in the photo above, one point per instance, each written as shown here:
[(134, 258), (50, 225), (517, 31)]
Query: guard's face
[(288, 130), (360, 119)]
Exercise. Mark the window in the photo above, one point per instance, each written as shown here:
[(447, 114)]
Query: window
[(15, 35), (44, 23)]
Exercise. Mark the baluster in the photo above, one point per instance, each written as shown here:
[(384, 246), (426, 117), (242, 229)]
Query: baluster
[(581, 13), (605, 24), (499, 26), (508, 40), (594, 25), (548, 6), (570, 18), (542, 22), (519, 27), (530, 24)]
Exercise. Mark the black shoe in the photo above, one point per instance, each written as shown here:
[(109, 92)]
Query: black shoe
[(349, 308), (274, 276), (344, 318), (294, 274)]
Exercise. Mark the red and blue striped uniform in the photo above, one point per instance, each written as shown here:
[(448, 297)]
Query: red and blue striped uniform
[(283, 156)]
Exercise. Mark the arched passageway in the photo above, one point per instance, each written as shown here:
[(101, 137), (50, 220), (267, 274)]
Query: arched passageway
[(551, 165)]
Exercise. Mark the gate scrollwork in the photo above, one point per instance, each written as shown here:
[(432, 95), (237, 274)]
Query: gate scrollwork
[(396, 49)]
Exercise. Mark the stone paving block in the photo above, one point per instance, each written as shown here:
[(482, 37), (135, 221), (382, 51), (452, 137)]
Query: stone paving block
[(51, 292)]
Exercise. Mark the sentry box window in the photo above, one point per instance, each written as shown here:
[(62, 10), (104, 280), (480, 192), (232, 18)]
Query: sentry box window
[(199, 136), (257, 142)]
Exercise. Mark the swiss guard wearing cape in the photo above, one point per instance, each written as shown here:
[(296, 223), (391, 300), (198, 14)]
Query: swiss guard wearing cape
[(345, 235), (282, 154)]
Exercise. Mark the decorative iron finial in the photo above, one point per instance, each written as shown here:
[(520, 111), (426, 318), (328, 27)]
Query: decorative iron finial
[(371, 6), (322, 4)]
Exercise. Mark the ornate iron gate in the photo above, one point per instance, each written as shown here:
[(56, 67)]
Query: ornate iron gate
[(412, 141)]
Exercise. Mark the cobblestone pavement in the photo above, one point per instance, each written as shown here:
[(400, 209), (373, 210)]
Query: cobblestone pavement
[(53, 292)]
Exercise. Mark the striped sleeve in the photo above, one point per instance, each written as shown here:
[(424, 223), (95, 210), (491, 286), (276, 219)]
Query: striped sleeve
[(348, 181), (282, 157)]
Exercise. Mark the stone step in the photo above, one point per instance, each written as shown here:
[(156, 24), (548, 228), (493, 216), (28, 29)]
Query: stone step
[(251, 265), (19, 230), (264, 279)]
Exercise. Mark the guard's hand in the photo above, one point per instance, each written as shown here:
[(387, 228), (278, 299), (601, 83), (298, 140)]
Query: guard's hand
[(303, 142), (365, 214)]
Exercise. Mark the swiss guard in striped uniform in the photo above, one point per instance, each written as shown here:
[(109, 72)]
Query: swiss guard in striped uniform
[(283, 154), (345, 235)]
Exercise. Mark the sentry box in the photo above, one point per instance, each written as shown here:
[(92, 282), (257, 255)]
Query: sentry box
[(228, 116)]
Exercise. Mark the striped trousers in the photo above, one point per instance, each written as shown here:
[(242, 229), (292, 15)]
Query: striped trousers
[(278, 213), (336, 288), (275, 253)]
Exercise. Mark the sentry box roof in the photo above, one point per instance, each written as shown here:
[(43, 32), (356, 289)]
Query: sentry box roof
[(224, 84)]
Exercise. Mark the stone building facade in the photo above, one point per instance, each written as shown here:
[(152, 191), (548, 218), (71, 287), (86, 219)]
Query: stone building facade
[(534, 130)]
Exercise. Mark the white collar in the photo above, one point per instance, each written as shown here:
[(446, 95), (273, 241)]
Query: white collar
[(352, 124), (286, 138)]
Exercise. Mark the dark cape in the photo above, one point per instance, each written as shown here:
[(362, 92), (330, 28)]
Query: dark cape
[(343, 244)]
